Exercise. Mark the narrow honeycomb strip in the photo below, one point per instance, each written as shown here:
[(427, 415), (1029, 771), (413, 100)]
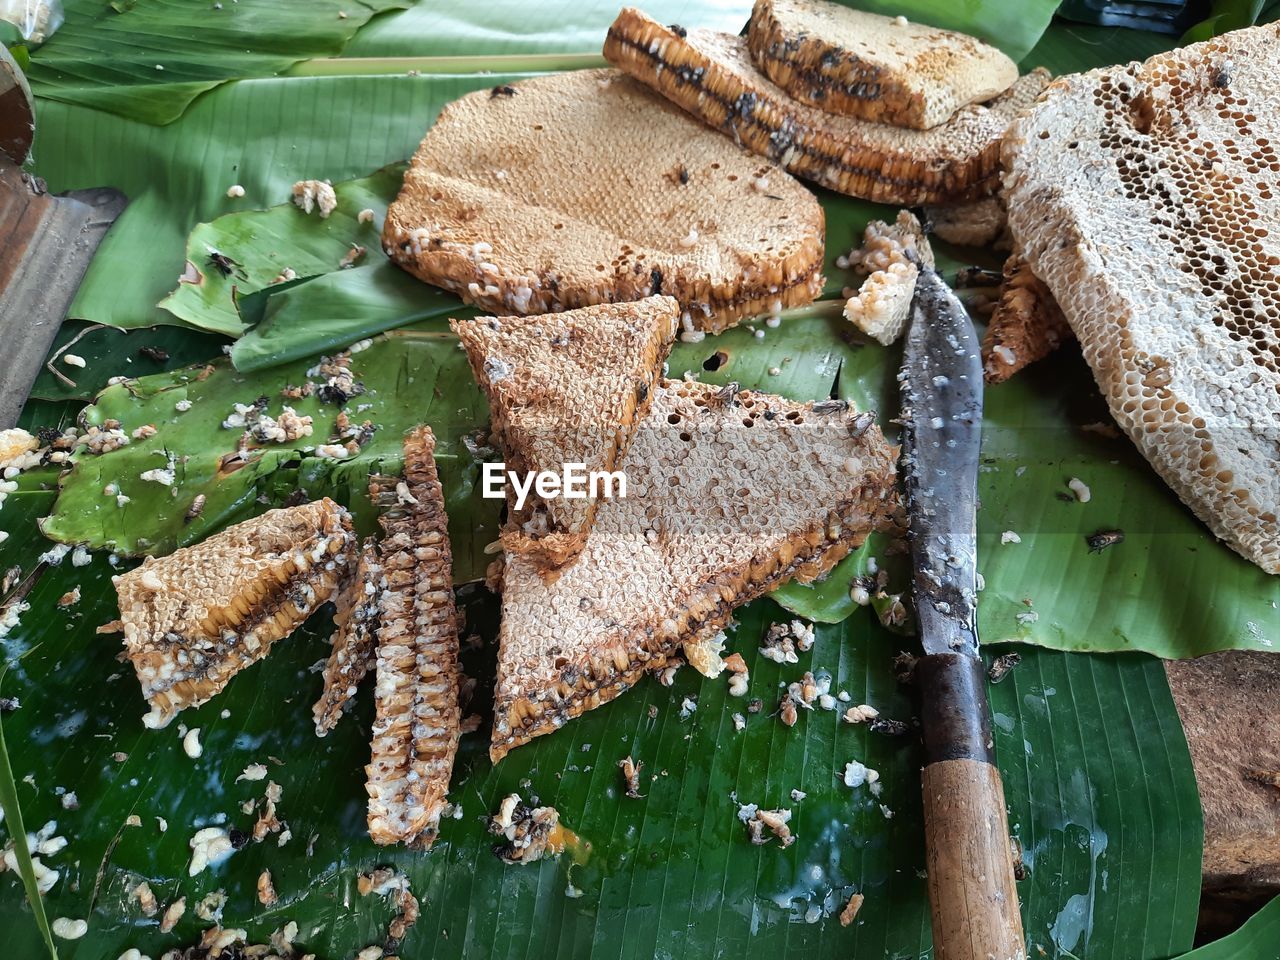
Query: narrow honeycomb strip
[(1027, 324), (354, 643), (417, 716), (196, 618)]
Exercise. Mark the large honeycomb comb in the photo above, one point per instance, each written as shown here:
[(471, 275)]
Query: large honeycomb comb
[(1147, 198)]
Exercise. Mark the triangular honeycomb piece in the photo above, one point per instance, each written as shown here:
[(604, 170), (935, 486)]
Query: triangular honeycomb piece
[(729, 494), (566, 388)]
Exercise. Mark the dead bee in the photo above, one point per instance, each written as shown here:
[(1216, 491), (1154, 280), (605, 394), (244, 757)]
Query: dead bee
[(861, 423), (223, 264), (503, 90), (1015, 853), (1222, 76), (904, 668), (196, 508), (1268, 778), (787, 710), (1001, 666), (631, 775), (157, 354), (967, 277), (831, 406), (729, 393), (1102, 539), (892, 728)]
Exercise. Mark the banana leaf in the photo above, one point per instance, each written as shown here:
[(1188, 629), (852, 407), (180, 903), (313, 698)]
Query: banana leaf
[(261, 134), (515, 28), (11, 813), (256, 247), (148, 60), (1257, 939), (108, 353), (413, 375), (334, 309), (669, 874), (1098, 777)]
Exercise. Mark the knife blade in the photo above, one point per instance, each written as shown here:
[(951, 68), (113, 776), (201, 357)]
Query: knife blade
[(941, 385), (972, 892)]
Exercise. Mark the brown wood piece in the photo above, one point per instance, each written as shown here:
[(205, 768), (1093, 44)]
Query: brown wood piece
[(1227, 705), (972, 892)]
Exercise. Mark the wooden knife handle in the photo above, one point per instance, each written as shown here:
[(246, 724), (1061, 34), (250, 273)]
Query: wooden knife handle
[(968, 854)]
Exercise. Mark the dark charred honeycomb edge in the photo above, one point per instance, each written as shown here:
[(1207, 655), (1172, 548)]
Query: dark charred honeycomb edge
[(725, 313), (772, 48)]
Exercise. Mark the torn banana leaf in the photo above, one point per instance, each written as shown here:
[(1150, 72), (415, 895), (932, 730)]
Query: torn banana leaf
[(263, 135), (117, 501), (338, 308), (241, 253), (109, 353), (148, 61)]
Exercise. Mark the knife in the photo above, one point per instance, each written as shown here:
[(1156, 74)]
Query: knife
[(972, 893)]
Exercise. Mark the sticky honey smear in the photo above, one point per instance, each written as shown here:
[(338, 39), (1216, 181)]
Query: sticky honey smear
[(196, 618), (712, 76), (1145, 197), (416, 719), (729, 494), (354, 639)]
